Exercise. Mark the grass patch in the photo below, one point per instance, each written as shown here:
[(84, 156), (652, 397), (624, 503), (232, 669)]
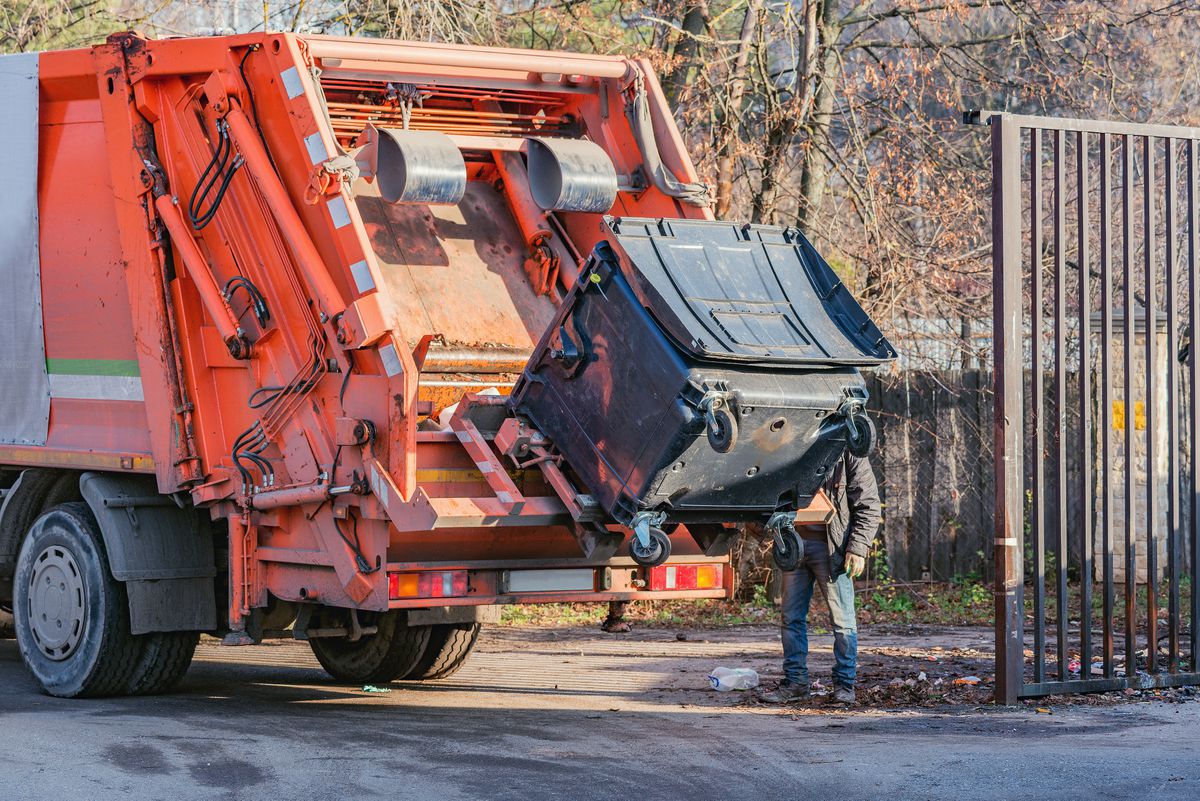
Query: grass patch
[(958, 604)]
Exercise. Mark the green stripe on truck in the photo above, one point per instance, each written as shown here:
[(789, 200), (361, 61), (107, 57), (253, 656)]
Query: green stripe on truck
[(106, 367)]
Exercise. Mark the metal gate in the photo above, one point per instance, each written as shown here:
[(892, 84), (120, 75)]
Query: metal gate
[(1097, 502)]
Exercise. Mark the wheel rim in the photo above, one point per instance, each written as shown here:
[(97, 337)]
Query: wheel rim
[(56, 603), (644, 555)]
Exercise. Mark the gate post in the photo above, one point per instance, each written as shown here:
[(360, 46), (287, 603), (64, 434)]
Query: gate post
[(1007, 337)]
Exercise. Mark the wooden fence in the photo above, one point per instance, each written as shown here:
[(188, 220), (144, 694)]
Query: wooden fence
[(936, 472), (934, 465)]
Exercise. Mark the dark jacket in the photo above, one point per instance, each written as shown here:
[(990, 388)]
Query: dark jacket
[(856, 507)]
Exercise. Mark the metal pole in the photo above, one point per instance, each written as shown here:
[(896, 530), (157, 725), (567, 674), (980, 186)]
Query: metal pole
[(1130, 482), (1149, 255), (1106, 399), (1037, 411), (1086, 493), (1193, 285), (1063, 614), (1006, 282), (1170, 209)]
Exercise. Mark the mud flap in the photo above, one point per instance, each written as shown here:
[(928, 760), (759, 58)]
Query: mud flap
[(162, 552)]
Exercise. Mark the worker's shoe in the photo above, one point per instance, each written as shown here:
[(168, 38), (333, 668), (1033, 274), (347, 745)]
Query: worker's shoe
[(844, 695), (785, 692)]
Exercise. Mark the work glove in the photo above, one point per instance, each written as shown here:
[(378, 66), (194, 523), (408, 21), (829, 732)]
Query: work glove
[(855, 565)]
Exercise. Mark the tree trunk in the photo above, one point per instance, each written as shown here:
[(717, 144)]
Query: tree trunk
[(791, 116), (814, 176), (730, 124), (695, 24)]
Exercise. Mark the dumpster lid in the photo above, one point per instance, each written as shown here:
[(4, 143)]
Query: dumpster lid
[(757, 293)]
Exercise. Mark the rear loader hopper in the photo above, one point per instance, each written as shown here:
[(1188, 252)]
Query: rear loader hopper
[(352, 341)]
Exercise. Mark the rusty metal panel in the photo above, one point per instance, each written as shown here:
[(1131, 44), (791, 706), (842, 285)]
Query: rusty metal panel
[(457, 271), (24, 383)]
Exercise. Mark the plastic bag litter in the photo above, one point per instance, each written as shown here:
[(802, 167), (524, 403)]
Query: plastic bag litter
[(725, 679)]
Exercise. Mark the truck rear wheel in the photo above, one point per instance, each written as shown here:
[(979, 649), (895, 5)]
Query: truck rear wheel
[(166, 657), (393, 651), (72, 617), (449, 646)]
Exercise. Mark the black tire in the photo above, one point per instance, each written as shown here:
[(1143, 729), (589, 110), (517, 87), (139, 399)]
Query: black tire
[(99, 655), (862, 444), (166, 657), (385, 656), (658, 552), (449, 646), (787, 550), (723, 435), (39, 491)]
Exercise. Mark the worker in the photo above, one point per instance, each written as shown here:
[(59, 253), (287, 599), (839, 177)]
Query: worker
[(615, 623), (834, 555)]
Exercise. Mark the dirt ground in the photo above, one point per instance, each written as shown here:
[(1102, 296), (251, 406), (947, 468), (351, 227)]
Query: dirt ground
[(572, 713)]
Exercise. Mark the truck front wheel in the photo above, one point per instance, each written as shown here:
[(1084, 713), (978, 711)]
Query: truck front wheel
[(388, 654), (72, 616)]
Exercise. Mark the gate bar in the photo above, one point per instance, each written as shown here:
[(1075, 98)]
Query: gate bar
[(1106, 154), (1038, 411), (1085, 395), (1169, 211), (1063, 616), (1148, 249), (1193, 204), (1130, 484)]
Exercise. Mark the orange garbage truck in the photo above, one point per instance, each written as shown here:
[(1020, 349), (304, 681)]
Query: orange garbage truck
[(352, 341)]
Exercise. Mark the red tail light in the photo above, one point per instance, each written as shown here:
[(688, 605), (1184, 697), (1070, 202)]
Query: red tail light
[(428, 584), (686, 577)]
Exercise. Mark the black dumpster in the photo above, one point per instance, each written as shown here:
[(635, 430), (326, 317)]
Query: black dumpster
[(703, 372)]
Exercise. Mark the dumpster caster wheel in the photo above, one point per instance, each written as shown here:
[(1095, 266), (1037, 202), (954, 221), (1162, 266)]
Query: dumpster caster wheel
[(658, 552), (788, 549), (861, 435), (722, 429)]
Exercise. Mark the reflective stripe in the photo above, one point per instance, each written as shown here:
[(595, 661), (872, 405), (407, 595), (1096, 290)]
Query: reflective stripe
[(362, 276), (317, 151), (95, 379), (391, 360), (96, 387), (291, 83), (339, 212)]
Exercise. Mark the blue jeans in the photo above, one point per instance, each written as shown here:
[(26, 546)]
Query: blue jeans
[(815, 569)]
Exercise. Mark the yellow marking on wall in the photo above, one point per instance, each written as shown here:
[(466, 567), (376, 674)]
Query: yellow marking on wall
[(1139, 415)]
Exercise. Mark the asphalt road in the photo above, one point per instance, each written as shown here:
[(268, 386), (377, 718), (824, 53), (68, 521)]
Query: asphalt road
[(568, 714)]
